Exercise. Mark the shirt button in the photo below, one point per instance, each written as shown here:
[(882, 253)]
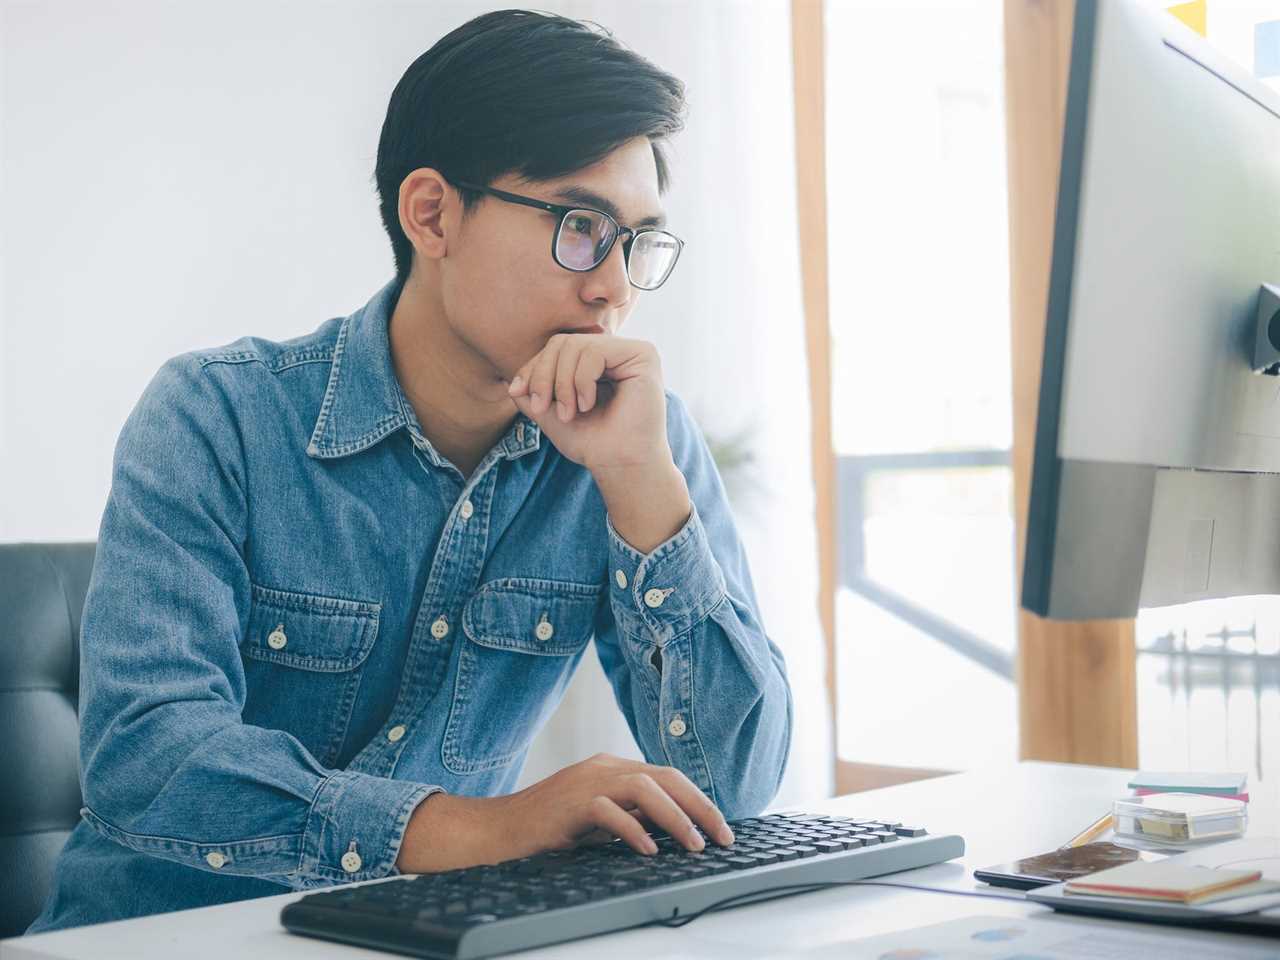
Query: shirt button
[(676, 727), (215, 860), (467, 510), (654, 597), (440, 629), (544, 630), (621, 579), (351, 861), (395, 733), (277, 639)]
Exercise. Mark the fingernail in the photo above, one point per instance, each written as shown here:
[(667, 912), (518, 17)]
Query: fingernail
[(582, 404), (726, 836), (562, 411), (695, 839), (650, 846), (516, 383), (536, 400)]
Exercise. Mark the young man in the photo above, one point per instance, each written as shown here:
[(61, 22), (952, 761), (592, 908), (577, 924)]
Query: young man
[(342, 580)]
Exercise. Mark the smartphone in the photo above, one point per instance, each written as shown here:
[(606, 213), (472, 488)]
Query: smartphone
[(1059, 865)]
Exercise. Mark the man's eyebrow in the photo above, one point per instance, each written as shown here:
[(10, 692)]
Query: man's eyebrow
[(589, 198)]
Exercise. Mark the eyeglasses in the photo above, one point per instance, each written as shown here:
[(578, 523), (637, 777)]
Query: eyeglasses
[(584, 238)]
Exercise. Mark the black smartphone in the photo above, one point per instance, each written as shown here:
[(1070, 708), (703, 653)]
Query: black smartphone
[(1059, 865)]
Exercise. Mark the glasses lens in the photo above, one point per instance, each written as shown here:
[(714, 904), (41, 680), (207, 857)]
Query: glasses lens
[(584, 238), (653, 254)]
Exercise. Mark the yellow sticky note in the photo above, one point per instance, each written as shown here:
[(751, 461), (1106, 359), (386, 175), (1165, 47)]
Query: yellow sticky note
[(1194, 15)]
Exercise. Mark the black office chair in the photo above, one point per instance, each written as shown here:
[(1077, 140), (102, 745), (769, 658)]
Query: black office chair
[(42, 589)]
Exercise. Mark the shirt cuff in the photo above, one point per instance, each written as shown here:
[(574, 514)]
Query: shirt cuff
[(356, 826), (670, 590)]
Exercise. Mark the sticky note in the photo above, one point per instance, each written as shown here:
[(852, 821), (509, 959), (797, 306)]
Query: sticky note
[(1266, 49), (1194, 15)]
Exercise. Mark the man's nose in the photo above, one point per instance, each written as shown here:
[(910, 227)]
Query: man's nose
[(608, 282)]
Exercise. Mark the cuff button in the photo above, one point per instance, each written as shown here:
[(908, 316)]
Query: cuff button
[(215, 860), (351, 861)]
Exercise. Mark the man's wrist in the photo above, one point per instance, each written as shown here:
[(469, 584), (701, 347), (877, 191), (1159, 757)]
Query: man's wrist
[(647, 505), (447, 832)]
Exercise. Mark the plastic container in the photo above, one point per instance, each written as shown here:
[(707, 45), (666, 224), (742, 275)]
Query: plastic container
[(1180, 818)]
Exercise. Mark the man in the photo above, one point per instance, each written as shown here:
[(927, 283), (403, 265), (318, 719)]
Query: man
[(342, 580)]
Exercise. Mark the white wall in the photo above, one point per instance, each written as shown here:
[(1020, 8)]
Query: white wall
[(174, 176)]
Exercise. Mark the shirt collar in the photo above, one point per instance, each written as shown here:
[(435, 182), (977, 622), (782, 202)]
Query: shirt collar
[(363, 401)]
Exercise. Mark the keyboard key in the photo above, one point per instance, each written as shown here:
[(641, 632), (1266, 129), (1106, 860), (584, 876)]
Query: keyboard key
[(805, 850), (909, 831), (828, 846), (848, 841), (787, 853), (870, 839), (765, 856), (742, 863), (885, 835)]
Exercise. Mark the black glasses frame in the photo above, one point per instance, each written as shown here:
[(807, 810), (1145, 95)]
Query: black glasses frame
[(562, 211)]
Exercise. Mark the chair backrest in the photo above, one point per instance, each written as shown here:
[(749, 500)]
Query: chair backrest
[(42, 590)]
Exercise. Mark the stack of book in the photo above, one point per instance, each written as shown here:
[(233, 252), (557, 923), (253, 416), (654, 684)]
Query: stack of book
[(1234, 786), (1171, 882)]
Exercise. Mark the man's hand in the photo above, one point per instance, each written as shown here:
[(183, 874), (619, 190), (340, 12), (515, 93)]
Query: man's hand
[(600, 400), (591, 801)]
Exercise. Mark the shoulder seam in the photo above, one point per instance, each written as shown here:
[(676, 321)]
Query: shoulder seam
[(284, 361)]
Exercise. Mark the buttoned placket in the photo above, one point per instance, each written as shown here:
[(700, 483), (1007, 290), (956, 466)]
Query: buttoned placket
[(455, 573)]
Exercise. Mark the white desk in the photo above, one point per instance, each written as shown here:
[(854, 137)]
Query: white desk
[(1003, 813)]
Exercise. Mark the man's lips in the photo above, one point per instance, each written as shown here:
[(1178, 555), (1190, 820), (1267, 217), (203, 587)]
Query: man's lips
[(592, 328)]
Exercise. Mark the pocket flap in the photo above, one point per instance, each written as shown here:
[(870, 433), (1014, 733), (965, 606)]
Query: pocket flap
[(551, 618), (309, 631)]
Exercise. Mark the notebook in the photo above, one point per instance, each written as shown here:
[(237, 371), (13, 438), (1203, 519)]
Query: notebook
[(1164, 880)]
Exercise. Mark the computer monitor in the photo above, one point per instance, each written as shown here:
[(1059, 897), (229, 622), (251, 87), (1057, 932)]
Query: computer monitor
[(1157, 447)]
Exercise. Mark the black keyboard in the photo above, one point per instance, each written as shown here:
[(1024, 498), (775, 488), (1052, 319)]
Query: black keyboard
[(565, 894)]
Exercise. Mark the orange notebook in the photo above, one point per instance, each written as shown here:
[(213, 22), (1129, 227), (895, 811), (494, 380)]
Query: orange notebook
[(1162, 880)]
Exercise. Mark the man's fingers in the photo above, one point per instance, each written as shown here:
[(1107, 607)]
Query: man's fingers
[(566, 368), (542, 376), (607, 815), (694, 803), (643, 792), (590, 369)]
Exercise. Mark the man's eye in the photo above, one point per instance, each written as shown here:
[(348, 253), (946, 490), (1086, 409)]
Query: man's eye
[(580, 224)]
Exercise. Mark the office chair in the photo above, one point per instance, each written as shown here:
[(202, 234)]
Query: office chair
[(42, 591)]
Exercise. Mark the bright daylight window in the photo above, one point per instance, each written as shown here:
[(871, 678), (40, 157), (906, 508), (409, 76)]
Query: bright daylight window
[(918, 246)]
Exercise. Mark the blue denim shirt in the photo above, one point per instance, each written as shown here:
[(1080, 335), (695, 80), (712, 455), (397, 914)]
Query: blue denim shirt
[(303, 620)]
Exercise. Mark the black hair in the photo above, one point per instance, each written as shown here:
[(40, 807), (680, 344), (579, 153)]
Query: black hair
[(518, 91)]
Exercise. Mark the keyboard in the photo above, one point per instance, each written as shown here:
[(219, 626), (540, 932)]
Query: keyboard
[(566, 894)]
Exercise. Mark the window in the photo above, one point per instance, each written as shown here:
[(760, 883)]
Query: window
[(921, 419)]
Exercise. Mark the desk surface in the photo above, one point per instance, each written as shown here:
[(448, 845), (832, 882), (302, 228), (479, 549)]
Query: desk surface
[(1003, 813)]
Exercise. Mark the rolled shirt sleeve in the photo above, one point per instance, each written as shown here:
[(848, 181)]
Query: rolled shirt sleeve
[(701, 684)]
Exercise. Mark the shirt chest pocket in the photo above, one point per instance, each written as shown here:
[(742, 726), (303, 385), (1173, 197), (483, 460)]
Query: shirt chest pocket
[(303, 654), (523, 640)]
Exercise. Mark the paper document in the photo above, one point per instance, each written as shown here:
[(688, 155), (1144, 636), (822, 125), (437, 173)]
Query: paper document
[(1044, 938)]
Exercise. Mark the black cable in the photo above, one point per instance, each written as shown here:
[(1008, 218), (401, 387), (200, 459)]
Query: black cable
[(759, 895)]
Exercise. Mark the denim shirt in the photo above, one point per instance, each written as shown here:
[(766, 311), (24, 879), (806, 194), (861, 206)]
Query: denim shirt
[(303, 620)]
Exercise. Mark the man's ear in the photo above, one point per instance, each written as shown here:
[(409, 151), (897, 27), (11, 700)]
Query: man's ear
[(428, 209)]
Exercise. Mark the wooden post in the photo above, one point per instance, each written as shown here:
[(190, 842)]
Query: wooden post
[(811, 198), (1077, 688)]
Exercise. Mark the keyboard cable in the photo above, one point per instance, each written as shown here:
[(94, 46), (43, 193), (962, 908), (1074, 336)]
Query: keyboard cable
[(758, 896)]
